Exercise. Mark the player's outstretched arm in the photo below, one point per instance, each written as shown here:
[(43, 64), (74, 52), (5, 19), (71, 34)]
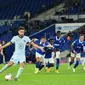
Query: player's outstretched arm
[(6, 45), (36, 46)]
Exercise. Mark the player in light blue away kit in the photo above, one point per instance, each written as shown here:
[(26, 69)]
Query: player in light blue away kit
[(39, 54), (49, 61), (20, 42), (77, 47), (58, 43)]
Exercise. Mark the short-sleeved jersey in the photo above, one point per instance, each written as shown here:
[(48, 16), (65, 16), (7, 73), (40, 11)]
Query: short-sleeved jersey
[(58, 42), (41, 45), (20, 44), (78, 46)]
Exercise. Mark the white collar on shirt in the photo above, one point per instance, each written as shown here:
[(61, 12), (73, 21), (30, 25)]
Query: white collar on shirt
[(80, 41), (57, 38)]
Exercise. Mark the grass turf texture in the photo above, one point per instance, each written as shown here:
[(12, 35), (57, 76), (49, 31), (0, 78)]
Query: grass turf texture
[(65, 77)]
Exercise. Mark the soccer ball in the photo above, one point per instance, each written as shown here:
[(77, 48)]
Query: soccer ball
[(8, 77)]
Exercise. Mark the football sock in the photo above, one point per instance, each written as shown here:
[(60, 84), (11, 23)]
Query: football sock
[(4, 68), (19, 72), (70, 63), (76, 64), (57, 63), (37, 64)]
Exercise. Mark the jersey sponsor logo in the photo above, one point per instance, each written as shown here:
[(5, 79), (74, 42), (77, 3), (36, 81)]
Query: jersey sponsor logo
[(78, 47), (24, 40), (57, 44)]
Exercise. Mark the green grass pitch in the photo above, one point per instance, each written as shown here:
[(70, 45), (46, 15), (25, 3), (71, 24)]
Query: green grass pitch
[(65, 77)]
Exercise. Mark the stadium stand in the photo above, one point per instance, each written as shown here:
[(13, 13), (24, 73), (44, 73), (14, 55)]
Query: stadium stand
[(14, 13), (9, 9)]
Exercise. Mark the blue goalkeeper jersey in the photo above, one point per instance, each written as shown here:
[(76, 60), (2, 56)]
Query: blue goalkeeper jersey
[(78, 46), (41, 45)]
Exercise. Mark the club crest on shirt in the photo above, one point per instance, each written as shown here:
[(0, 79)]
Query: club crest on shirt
[(21, 45), (24, 40)]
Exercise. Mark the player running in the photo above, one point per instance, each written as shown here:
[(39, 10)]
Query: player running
[(39, 54), (20, 42), (58, 42), (77, 47)]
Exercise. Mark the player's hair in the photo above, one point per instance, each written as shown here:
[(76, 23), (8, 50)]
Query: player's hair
[(21, 28), (58, 32), (81, 34), (43, 37), (50, 40)]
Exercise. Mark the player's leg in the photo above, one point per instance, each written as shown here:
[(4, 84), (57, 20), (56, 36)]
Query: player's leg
[(83, 64), (41, 66), (71, 61), (47, 65), (3, 56), (42, 62), (20, 70), (10, 63), (77, 61), (37, 63), (50, 64), (53, 54), (57, 61), (4, 59)]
